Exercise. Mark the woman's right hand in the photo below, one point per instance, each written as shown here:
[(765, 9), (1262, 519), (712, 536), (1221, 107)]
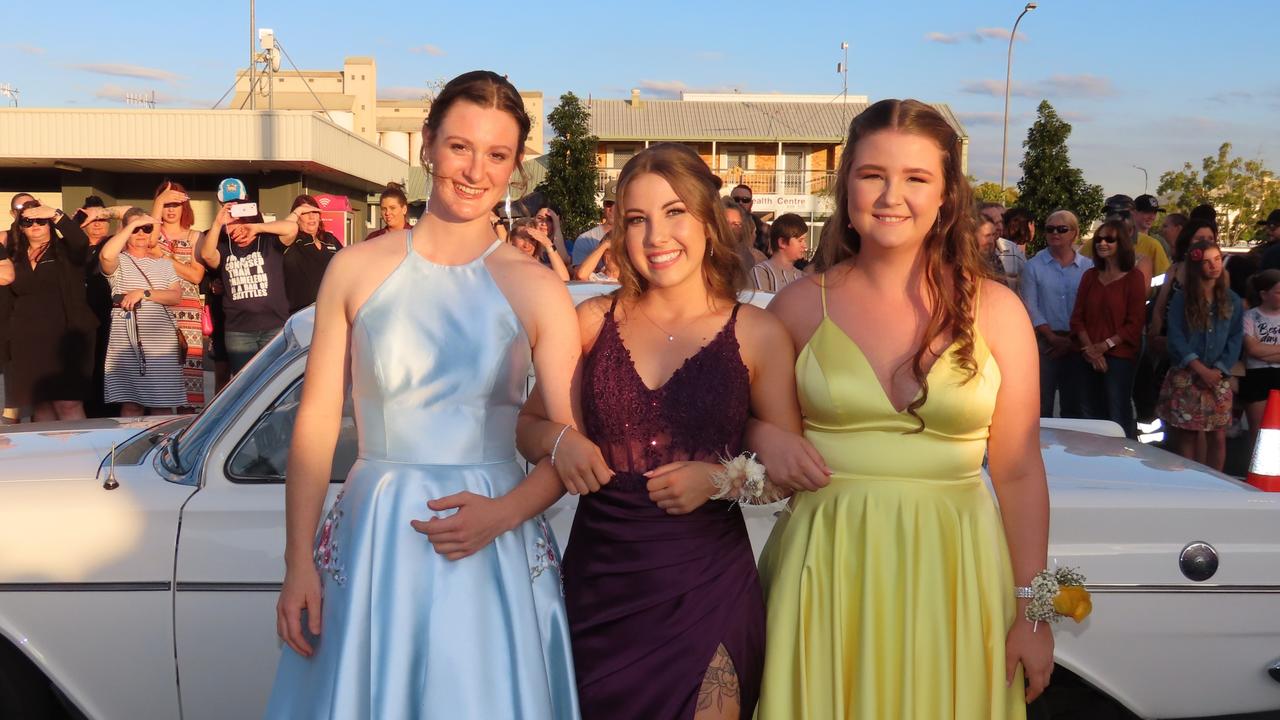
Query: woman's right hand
[(1211, 377), (791, 461), (580, 464), (301, 591)]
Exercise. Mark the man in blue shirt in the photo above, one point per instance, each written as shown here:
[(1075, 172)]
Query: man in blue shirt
[(1048, 288), (587, 242)]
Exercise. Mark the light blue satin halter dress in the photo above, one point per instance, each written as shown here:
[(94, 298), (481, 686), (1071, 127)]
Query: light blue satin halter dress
[(438, 368)]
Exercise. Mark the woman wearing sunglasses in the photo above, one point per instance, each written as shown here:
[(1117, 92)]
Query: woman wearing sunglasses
[(1107, 322), (143, 371), (175, 241), (51, 327)]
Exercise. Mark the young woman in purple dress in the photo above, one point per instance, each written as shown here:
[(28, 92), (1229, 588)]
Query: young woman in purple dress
[(665, 608)]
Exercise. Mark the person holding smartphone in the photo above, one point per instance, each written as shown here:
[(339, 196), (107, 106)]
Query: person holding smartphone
[(249, 257)]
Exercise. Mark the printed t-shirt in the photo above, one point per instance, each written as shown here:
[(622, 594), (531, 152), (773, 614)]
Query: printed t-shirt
[(253, 284)]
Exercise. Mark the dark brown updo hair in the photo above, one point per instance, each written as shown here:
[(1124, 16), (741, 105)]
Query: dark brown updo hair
[(953, 266), (394, 190), (699, 189), (483, 88)]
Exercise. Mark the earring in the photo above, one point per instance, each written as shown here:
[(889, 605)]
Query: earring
[(506, 203)]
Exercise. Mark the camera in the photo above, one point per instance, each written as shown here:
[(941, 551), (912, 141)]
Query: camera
[(244, 210)]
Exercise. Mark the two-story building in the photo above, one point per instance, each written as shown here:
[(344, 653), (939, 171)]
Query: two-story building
[(786, 148)]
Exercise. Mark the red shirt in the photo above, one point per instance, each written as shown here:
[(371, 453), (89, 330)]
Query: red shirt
[(1117, 309)]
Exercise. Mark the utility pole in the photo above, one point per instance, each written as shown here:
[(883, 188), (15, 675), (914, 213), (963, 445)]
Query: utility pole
[(1144, 178), (1008, 80), (253, 57)]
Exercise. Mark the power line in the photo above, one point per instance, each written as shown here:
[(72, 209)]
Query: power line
[(323, 109)]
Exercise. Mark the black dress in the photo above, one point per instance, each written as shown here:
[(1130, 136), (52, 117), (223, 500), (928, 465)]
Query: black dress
[(51, 329)]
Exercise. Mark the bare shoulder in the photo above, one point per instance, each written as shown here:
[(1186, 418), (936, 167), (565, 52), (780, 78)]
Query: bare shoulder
[(521, 275), (799, 307), (760, 329), (1002, 318), (591, 314)]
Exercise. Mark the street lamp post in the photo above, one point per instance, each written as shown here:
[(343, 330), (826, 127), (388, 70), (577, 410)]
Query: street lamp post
[(1144, 178), (1008, 77)]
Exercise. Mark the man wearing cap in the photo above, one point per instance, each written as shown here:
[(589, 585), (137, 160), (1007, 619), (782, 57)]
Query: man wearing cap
[(249, 257), (587, 242), (1145, 209), (1271, 241), (1153, 261)]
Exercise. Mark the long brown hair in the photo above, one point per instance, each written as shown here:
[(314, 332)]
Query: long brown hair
[(699, 189), (952, 264), (1197, 307)]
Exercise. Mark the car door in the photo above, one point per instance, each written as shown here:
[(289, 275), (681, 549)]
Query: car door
[(230, 556)]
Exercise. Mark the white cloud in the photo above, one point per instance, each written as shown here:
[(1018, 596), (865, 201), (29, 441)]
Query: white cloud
[(981, 118), (1056, 86), (978, 36), (118, 94), (24, 48), (432, 50), (666, 88), (130, 71), (995, 88)]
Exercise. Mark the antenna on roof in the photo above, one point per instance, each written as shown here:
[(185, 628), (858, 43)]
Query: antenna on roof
[(148, 99), (10, 92)]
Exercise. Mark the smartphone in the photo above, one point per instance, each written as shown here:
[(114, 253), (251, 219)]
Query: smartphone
[(244, 210)]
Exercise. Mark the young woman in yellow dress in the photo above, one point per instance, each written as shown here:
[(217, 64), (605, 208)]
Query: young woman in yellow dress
[(892, 586)]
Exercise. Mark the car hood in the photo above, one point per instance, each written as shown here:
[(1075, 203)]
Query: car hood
[(64, 450), (1080, 460)]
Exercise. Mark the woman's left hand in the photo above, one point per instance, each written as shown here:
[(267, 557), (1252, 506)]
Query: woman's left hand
[(1033, 650), (681, 487), (131, 300), (478, 521), (242, 235)]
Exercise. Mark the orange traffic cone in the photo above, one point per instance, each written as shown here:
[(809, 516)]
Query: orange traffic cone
[(1264, 471)]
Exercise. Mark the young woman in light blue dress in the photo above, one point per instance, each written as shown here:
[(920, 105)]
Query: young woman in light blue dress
[(432, 589)]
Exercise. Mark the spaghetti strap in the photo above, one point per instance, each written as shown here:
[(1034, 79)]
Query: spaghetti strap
[(734, 315), (822, 289), (408, 242), (489, 251)]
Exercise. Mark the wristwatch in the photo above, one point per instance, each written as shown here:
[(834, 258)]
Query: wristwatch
[(1110, 343), (146, 294)]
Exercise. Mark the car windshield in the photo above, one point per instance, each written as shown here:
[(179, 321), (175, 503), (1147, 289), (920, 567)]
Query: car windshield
[(181, 451)]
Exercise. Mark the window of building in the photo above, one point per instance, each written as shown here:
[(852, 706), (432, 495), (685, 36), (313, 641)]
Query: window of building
[(738, 159), (794, 177), (620, 155)]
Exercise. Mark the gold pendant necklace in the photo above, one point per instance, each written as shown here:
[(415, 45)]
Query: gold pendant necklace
[(670, 337)]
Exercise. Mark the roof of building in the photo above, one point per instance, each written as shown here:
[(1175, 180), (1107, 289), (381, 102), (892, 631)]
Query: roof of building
[(194, 141), (730, 120)]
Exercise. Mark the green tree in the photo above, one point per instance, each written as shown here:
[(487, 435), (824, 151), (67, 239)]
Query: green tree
[(988, 191), (571, 179), (1242, 191), (1049, 182)]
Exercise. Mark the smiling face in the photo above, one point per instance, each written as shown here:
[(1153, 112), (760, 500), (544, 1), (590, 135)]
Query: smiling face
[(473, 155), (664, 241), (394, 213), (895, 189)]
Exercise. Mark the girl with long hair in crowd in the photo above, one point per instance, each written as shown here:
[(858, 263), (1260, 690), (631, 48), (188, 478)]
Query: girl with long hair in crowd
[(393, 205), (307, 258), (548, 221), (11, 413), (529, 237), (1107, 322), (1261, 346), (143, 371), (51, 327), (1206, 331), (664, 600), (176, 242), (891, 589), (432, 587)]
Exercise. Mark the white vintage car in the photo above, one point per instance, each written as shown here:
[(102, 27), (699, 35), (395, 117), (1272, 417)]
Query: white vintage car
[(140, 582)]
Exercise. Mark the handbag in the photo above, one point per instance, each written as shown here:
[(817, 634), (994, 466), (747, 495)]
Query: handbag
[(183, 346)]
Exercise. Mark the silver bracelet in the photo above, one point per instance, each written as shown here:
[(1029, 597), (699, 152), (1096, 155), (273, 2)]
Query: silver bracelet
[(556, 446)]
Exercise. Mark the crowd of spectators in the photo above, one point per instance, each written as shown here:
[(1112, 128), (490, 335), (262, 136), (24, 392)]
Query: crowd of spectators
[(1137, 327)]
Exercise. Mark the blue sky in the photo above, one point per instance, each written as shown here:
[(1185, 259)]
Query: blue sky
[(1152, 84)]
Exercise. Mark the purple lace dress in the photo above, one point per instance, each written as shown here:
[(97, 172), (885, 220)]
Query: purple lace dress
[(650, 596)]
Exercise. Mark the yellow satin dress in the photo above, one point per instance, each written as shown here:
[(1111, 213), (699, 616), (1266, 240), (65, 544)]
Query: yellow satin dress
[(890, 591)]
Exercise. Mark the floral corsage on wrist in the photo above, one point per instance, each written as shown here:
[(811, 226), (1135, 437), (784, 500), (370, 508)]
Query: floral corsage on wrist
[(744, 481), (1055, 595)]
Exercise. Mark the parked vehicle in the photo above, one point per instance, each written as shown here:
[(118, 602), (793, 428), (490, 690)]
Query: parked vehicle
[(156, 599)]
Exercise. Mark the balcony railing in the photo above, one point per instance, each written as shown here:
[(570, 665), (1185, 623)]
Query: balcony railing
[(763, 182)]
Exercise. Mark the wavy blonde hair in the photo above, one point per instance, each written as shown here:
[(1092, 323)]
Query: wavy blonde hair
[(953, 267), (699, 189)]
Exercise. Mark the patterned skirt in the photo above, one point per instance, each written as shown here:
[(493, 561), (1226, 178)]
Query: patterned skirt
[(1187, 404)]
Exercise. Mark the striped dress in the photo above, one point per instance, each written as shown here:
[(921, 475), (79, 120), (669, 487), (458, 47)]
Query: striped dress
[(149, 375)]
